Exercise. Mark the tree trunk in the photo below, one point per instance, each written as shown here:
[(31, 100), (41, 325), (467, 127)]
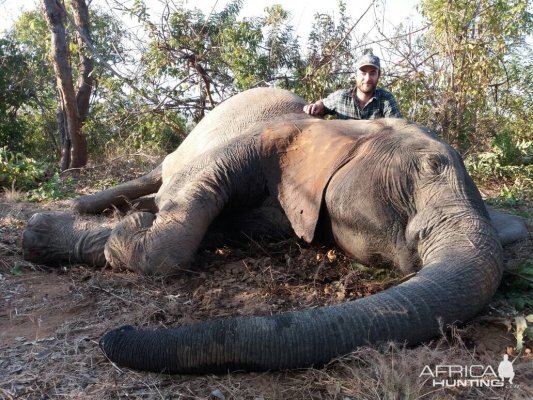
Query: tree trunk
[(85, 63), (74, 106), (63, 139)]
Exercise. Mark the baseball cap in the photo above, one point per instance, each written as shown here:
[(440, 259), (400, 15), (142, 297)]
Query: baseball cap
[(368, 59)]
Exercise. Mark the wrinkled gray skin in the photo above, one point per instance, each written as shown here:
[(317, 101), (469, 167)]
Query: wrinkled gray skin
[(384, 191)]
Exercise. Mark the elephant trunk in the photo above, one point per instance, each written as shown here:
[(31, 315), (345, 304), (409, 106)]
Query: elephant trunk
[(454, 284)]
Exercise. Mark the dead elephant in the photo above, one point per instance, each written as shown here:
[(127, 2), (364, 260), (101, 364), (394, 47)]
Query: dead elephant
[(383, 190)]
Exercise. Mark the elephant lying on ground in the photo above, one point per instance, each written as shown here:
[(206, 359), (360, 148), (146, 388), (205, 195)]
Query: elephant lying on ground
[(385, 191)]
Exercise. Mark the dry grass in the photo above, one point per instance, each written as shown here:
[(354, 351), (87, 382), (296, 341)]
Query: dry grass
[(13, 195), (52, 318)]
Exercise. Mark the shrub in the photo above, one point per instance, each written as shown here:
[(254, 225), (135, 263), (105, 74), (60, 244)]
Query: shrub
[(508, 158), (17, 170), (53, 189)]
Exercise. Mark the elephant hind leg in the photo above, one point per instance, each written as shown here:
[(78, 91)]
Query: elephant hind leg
[(119, 195)]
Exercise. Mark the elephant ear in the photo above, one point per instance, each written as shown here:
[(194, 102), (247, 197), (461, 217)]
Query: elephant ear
[(299, 161)]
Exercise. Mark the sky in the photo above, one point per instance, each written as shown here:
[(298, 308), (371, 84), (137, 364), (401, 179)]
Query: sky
[(302, 11)]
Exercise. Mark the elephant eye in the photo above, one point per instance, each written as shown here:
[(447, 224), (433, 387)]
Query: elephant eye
[(435, 164)]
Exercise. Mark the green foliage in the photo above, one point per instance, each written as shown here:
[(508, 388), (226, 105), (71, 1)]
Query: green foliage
[(21, 267), (329, 62), (505, 154), (195, 44), (126, 125), (19, 171), (280, 41), (240, 42), (24, 173), (215, 56), (469, 48), (16, 90), (517, 285), (54, 188), (509, 160), (509, 151), (35, 116), (521, 189), (16, 269), (28, 120)]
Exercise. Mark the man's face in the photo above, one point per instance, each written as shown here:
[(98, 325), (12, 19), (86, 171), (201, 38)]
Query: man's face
[(367, 79)]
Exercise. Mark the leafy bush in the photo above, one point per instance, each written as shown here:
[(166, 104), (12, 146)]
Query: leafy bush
[(521, 189), (17, 170), (52, 189), (510, 160), (113, 129), (517, 285), (24, 173), (510, 152)]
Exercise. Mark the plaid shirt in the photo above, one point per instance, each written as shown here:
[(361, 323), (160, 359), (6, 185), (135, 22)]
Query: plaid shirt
[(342, 104)]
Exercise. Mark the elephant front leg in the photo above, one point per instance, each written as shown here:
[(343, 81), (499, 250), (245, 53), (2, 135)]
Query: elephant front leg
[(188, 203), (56, 237), (154, 244)]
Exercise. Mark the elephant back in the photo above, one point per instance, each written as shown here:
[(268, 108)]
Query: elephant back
[(232, 118)]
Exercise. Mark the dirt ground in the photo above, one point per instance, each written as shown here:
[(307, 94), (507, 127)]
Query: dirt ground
[(52, 318)]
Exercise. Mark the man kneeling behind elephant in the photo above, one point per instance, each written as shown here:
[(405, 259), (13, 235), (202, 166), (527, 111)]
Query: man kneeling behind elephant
[(385, 191)]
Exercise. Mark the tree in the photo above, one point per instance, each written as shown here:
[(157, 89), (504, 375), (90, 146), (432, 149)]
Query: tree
[(74, 102), (468, 48), (282, 47), (193, 61), (331, 54), (15, 91), (30, 125), (202, 56)]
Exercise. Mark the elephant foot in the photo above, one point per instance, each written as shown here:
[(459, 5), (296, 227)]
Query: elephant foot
[(151, 245), (125, 248), (55, 237)]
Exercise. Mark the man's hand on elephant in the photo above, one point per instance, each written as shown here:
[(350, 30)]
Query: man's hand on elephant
[(316, 109)]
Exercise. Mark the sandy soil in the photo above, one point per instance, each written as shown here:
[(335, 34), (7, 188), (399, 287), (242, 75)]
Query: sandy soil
[(52, 318)]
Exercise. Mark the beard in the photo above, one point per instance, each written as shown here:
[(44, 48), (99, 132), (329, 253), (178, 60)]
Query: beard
[(366, 87)]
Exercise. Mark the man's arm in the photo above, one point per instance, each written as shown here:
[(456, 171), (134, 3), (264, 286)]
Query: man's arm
[(325, 106), (316, 109), (390, 107)]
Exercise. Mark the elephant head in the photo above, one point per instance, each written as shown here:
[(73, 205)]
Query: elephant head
[(389, 192)]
